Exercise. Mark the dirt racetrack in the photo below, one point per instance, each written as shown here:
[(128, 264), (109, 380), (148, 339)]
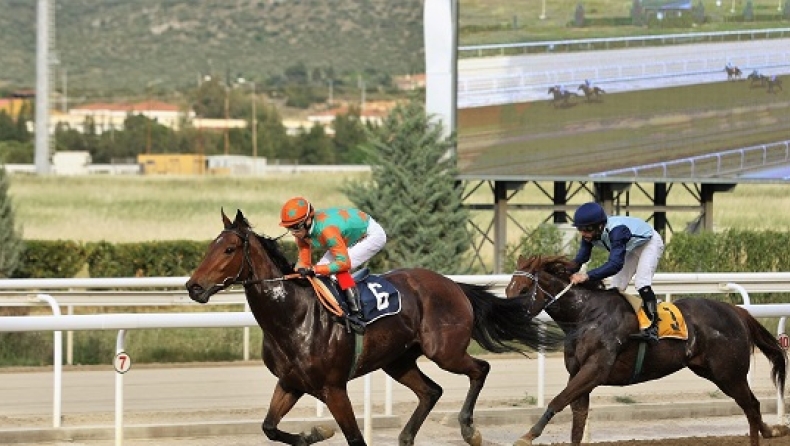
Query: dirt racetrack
[(224, 404)]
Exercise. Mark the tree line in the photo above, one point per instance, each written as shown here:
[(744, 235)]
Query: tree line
[(218, 97)]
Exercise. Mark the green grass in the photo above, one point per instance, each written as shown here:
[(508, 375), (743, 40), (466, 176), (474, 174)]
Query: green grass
[(491, 21), (624, 129), (131, 209), (124, 209)]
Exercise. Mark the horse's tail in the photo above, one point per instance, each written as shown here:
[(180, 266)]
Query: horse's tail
[(500, 325), (767, 343)]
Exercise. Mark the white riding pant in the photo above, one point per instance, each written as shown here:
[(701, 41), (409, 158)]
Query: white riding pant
[(368, 246), (641, 264)]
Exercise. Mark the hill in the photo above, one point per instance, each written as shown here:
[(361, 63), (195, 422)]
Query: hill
[(125, 46)]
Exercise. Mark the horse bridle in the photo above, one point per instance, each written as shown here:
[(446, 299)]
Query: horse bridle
[(534, 291), (247, 261)]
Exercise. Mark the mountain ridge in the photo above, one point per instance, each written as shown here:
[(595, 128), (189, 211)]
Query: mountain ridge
[(124, 46)]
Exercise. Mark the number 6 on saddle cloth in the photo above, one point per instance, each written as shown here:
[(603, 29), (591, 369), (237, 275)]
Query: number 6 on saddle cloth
[(379, 297)]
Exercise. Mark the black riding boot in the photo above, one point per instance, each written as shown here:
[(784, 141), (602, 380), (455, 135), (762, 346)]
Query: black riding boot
[(355, 310), (649, 334)]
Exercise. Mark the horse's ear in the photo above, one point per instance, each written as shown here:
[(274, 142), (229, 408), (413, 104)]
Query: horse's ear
[(225, 219), (240, 221), (521, 262)]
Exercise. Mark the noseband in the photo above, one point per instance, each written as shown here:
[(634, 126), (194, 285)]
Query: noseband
[(534, 291)]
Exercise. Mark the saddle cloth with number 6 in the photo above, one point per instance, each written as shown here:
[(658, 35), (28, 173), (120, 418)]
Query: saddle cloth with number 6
[(379, 297)]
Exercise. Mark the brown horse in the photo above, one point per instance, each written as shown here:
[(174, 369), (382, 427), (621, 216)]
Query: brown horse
[(561, 97), (733, 73), (310, 351), (591, 93), (598, 351)]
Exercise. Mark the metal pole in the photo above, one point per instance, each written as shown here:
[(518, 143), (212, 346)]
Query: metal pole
[(57, 363), (254, 130), (368, 431), (119, 347), (42, 88)]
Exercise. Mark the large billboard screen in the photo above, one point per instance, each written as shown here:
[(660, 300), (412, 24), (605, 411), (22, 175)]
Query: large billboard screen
[(661, 113)]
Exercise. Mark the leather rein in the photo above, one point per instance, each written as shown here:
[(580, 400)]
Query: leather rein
[(237, 280), (534, 291)]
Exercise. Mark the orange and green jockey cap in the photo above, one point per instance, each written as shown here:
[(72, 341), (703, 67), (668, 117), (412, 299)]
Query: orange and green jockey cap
[(295, 211)]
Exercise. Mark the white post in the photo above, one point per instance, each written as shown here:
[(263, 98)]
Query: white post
[(780, 398), (368, 432), (246, 341), (119, 347), (70, 339), (542, 370), (57, 363), (387, 395)]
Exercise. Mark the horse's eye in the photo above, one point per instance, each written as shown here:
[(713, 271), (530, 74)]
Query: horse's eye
[(230, 250)]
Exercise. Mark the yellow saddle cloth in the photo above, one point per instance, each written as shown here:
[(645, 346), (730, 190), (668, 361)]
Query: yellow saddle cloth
[(670, 320)]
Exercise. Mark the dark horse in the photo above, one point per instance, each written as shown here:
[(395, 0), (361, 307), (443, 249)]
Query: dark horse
[(310, 352), (598, 351), (733, 73), (756, 79), (774, 84), (591, 92), (561, 98)]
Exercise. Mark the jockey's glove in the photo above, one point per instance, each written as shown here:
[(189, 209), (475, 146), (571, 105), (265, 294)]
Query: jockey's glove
[(306, 272)]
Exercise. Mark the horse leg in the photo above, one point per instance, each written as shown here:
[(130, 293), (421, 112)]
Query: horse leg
[(427, 391), (582, 383), (581, 409), (477, 371), (282, 402), (339, 405), (750, 405)]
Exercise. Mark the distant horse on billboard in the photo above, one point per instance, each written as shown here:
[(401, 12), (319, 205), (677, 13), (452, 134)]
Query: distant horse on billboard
[(561, 97), (733, 73), (591, 93)]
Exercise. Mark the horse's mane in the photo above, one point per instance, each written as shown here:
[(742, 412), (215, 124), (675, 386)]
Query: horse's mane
[(270, 245), (560, 267)]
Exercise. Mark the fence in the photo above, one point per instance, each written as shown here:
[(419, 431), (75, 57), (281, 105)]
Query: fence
[(502, 49), (513, 78), (13, 294)]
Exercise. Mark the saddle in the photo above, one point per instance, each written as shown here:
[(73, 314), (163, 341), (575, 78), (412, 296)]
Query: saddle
[(671, 323), (379, 297)]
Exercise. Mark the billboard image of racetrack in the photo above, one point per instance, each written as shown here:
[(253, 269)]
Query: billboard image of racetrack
[(715, 112)]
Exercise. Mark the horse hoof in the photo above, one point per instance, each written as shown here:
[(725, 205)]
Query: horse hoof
[(779, 430), (319, 433), (476, 439), (523, 442)]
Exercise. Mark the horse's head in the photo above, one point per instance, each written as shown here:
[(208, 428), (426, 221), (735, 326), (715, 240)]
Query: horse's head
[(230, 259), (539, 279)]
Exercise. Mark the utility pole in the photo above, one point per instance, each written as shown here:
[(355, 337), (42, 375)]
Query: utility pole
[(254, 128), (42, 88), (227, 113)]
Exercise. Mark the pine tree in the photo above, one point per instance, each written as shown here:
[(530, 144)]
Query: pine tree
[(10, 238), (413, 192)]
